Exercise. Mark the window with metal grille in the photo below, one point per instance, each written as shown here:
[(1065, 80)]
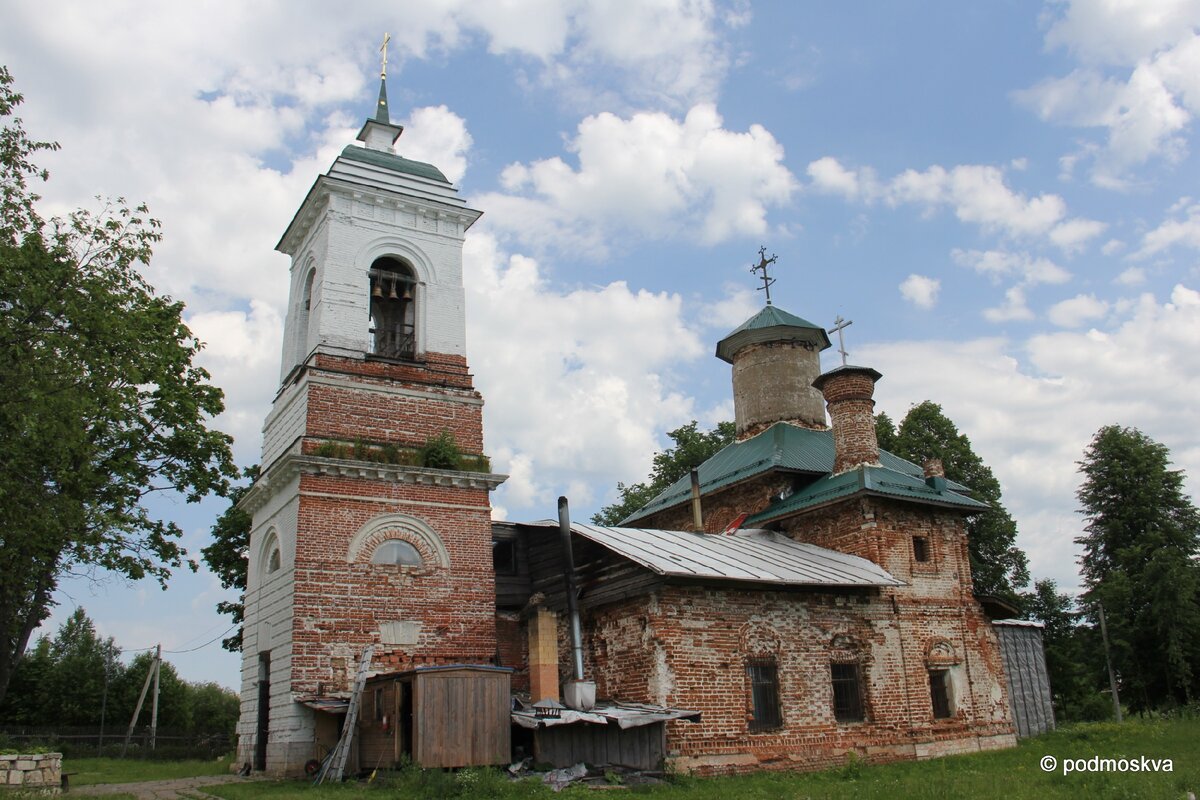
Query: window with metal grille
[(764, 694), (920, 548), (939, 692), (847, 693)]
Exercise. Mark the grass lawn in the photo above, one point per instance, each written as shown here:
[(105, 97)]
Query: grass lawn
[(1008, 774), (87, 771)]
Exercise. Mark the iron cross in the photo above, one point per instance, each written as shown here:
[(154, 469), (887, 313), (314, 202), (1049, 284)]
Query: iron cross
[(387, 37), (762, 264), (840, 325)]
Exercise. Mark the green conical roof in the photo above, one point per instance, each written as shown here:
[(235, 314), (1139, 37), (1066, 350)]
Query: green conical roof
[(381, 108), (769, 325)]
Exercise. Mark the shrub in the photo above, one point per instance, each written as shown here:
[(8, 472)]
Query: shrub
[(441, 452)]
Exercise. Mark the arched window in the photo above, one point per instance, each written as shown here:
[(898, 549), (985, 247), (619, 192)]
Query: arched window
[(304, 314), (273, 558), (393, 309), (396, 551)]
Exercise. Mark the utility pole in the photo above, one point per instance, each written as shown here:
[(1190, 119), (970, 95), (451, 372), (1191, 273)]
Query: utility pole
[(1112, 679), (154, 707), (104, 697), (141, 699)]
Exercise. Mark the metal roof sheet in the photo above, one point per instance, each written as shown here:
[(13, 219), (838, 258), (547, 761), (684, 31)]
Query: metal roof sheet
[(393, 162), (781, 447), (771, 324), (755, 556), (873, 480)]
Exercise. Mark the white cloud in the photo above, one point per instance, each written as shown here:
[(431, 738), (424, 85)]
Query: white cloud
[(580, 383), (649, 174), (1121, 31), (1182, 230), (1140, 82), (830, 177), (1031, 408), (1077, 311), (1134, 276), (241, 352), (1112, 247), (921, 291), (438, 136), (737, 306), (1014, 308), (977, 193), (998, 264)]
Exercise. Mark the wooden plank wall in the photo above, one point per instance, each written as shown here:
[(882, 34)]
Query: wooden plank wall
[(1028, 682), (601, 745), (461, 718)]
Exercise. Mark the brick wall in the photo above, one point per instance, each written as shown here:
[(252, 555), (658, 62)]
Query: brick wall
[(340, 604), (688, 647)]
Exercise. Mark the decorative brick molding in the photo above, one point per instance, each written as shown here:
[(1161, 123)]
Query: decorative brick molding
[(41, 770)]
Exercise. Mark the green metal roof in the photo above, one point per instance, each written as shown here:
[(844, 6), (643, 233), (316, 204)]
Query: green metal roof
[(868, 479), (782, 447), (393, 162), (771, 324)]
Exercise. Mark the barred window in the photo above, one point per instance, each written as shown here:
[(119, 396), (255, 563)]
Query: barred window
[(847, 693), (763, 678)]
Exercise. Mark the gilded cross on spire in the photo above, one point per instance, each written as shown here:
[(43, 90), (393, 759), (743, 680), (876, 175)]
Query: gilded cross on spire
[(762, 264), (387, 37), (840, 325)]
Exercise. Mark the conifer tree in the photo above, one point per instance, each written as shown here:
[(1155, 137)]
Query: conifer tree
[(1140, 546)]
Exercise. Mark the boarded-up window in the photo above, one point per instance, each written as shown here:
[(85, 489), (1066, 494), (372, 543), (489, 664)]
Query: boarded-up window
[(763, 678), (847, 693), (939, 693)]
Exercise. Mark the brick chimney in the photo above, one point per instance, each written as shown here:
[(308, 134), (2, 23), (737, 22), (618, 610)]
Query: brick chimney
[(848, 392)]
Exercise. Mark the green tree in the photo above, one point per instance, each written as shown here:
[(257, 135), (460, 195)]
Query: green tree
[(998, 566), (692, 448), (227, 555), (214, 709), (174, 702), (1139, 560), (102, 405), (885, 432), (1074, 660), (75, 686)]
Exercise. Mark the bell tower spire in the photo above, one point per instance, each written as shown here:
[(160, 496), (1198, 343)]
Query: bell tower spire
[(378, 133)]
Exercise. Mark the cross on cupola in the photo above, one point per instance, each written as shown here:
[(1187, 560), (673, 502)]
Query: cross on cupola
[(762, 264), (840, 325), (381, 111), (378, 133)]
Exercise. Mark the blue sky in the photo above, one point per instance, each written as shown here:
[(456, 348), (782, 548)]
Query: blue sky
[(1001, 196)]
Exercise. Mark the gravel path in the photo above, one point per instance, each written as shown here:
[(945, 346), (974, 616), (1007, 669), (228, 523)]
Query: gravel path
[(190, 788)]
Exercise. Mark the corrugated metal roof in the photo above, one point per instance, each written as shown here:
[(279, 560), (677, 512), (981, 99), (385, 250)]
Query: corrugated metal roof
[(873, 480), (748, 555), (623, 715), (781, 447), (1019, 623)]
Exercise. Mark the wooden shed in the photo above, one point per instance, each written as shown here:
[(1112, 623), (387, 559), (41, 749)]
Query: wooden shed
[(1028, 681), (448, 716)]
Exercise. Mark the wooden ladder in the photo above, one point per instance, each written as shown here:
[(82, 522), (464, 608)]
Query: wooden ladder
[(335, 767)]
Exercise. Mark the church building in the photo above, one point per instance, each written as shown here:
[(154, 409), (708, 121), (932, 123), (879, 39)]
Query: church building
[(802, 596)]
